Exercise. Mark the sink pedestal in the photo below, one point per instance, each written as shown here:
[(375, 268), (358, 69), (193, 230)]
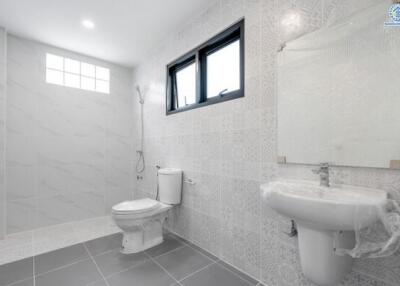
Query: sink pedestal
[(318, 261)]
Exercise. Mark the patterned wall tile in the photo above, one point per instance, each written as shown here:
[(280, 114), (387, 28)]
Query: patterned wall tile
[(234, 143), (206, 231)]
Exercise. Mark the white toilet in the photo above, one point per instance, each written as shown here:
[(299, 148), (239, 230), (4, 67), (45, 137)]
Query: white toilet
[(141, 220)]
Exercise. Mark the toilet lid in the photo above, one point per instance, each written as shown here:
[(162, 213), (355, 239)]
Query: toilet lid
[(136, 206)]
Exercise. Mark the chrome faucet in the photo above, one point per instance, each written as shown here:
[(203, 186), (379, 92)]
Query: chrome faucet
[(323, 172)]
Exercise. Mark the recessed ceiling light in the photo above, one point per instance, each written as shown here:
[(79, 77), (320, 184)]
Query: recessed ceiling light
[(88, 24)]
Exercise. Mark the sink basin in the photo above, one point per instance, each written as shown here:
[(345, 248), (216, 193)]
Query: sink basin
[(334, 208), (326, 218)]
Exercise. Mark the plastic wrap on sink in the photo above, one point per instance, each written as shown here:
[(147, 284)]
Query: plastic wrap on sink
[(380, 238)]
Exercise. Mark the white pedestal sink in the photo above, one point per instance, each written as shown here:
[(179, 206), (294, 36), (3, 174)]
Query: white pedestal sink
[(320, 213)]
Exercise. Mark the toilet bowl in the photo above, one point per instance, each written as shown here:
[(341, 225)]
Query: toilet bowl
[(141, 221)]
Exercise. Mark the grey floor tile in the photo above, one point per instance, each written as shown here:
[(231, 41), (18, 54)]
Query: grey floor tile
[(103, 244), (114, 261), (206, 253), (147, 273), (214, 275), (243, 275), (170, 243), (78, 274), (183, 261), (28, 282), (58, 258), (16, 271), (98, 283), (191, 244)]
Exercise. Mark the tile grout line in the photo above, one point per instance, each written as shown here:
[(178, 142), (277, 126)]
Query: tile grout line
[(184, 242), (126, 269), (69, 264), (165, 270), (140, 263), (97, 267), (179, 247), (237, 275), (61, 267), (33, 269), (19, 281), (188, 243), (49, 227), (218, 259), (198, 270)]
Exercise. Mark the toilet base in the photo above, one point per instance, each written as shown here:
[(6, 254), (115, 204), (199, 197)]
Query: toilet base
[(130, 246), (143, 234)]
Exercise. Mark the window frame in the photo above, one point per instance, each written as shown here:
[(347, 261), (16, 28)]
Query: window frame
[(198, 56)]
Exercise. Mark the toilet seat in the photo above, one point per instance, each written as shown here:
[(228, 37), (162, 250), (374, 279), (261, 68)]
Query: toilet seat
[(136, 207)]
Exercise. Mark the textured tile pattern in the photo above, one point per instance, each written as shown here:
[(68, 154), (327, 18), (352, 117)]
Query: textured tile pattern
[(99, 263), (69, 150), (229, 149)]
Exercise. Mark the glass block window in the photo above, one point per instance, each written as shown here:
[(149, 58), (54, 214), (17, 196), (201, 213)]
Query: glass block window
[(76, 74)]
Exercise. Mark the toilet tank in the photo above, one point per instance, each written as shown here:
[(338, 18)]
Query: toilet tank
[(170, 185)]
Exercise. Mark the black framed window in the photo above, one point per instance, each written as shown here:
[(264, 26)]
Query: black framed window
[(209, 74)]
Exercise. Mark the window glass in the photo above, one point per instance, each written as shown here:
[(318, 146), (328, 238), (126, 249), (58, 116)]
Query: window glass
[(72, 80), (88, 70), (87, 83), (73, 73), (223, 70), (186, 85), (72, 66), (211, 73), (54, 62), (102, 73)]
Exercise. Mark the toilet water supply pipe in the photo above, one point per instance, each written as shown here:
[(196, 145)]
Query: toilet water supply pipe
[(140, 164)]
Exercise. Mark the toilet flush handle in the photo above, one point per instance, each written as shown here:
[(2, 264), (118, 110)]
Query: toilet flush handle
[(189, 181)]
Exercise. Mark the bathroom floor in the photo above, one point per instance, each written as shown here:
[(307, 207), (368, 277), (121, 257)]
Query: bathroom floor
[(99, 263)]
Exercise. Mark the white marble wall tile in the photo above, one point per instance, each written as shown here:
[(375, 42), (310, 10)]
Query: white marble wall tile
[(20, 189), (93, 228), (66, 148), (20, 215)]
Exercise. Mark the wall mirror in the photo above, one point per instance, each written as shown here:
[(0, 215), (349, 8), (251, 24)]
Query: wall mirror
[(339, 95)]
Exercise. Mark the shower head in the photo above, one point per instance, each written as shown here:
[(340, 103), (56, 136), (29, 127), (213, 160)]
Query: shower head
[(141, 98)]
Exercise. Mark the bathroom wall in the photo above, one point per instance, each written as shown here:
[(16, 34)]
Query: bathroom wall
[(3, 49), (69, 151), (229, 149)]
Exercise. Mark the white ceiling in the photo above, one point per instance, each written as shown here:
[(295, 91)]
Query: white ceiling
[(125, 29)]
